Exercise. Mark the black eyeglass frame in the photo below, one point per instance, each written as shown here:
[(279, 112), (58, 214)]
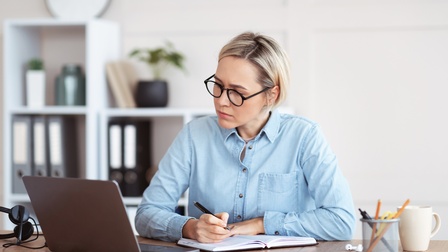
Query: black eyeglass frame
[(243, 98)]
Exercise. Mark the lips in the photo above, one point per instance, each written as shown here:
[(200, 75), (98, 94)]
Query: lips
[(223, 114)]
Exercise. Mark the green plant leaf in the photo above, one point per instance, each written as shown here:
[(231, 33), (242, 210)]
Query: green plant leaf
[(35, 64), (160, 58)]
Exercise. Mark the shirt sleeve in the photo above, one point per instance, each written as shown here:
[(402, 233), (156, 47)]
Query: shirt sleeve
[(156, 217), (333, 216)]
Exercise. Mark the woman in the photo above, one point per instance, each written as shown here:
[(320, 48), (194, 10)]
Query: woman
[(258, 170)]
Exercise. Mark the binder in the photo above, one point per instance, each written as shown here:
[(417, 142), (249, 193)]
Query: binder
[(115, 152), (129, 154), (40, 157), (136, 153), (21, 151), (62, 146)]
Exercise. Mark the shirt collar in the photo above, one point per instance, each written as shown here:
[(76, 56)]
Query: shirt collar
[(270, 129)]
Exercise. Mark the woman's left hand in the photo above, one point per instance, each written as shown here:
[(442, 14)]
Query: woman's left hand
[(249, 227)]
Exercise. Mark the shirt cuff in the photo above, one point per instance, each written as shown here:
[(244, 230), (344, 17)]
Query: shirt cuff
[(274, 223), (176, 225)]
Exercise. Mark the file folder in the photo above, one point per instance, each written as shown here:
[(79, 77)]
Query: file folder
[(40, 157), (62, 143), (22, 153), (115, 152), (136, 155)]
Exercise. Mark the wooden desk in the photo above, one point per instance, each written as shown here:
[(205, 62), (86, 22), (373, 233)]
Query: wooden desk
[(335, 246), (435, 246)]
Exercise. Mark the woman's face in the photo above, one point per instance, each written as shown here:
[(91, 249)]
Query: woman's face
[(240, 75)]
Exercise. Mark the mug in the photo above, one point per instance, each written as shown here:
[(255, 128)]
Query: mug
[(415, 227)]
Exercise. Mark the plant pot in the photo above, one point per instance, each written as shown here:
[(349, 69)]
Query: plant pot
[(35, 88), (152, 94)]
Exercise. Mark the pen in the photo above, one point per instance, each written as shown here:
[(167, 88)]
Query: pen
[(205, 210), (364, 214)]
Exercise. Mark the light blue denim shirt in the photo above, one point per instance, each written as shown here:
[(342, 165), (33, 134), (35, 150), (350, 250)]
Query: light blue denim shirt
[(289, 176)]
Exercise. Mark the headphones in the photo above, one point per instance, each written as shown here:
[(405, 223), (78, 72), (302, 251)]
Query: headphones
[(19, 216)]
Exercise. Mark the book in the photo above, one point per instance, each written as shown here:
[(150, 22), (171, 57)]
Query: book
[(239, 242), (120, 84)]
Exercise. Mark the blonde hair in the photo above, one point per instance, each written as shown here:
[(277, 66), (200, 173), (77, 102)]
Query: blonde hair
[(266, 55)]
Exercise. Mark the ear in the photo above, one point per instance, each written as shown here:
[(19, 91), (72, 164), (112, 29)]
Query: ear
[(273, 95)]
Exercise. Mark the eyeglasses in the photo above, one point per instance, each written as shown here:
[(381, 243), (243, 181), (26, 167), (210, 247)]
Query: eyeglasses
[(237, 99)]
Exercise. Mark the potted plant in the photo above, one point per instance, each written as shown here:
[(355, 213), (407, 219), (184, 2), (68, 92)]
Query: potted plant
[(154, 92), (35, 83)]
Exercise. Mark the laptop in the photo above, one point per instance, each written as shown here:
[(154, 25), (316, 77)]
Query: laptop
[(84, 215)]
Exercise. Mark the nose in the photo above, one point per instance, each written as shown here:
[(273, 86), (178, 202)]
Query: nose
[(224, 99)]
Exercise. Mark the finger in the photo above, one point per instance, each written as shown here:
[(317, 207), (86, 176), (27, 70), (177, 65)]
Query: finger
[(214, 236), (223, 216), (214, 220), (212, 233), (212, 225)]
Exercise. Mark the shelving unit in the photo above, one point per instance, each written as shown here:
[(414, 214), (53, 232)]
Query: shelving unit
[(166, 123), (57, 42), (90, 44)]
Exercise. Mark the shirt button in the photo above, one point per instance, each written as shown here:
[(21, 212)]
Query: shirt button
[(277, 233), (239, 217), (250, 147), (241, 195), (244, 169)]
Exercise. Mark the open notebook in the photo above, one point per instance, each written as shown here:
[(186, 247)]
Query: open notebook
[(240, 242)]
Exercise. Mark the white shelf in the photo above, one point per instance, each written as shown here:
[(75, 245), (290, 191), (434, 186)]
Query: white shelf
[(89, 43), (132, 201), (20, 198), (51, 110), (142, 112)]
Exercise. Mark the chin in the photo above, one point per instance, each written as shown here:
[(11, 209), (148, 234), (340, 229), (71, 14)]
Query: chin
[(226, 124)]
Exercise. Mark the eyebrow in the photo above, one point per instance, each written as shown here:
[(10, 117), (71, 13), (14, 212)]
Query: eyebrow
[(231, 85)]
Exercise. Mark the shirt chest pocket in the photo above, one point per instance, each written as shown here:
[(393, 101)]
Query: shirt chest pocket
[(277, 192)]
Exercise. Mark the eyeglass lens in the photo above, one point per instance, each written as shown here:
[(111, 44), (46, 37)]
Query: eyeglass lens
[(216, 91)]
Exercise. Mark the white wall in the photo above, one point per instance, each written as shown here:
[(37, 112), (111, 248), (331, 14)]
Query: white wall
[(374, 76), (372, 73)]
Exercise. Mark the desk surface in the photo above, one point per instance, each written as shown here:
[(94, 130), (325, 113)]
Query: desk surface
[(435, 246)]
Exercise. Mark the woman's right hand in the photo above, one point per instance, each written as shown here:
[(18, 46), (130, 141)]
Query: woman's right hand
[(208, 228)]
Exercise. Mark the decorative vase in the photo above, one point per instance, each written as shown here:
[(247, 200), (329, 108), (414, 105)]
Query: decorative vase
[(152, 93), (70, 86), (35, 88)]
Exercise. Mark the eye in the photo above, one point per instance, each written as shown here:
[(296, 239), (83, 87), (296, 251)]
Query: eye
[(241, 91), (237, 92), (217, 84)]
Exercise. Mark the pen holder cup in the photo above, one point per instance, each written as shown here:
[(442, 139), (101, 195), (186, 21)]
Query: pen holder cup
[(380, 235)]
